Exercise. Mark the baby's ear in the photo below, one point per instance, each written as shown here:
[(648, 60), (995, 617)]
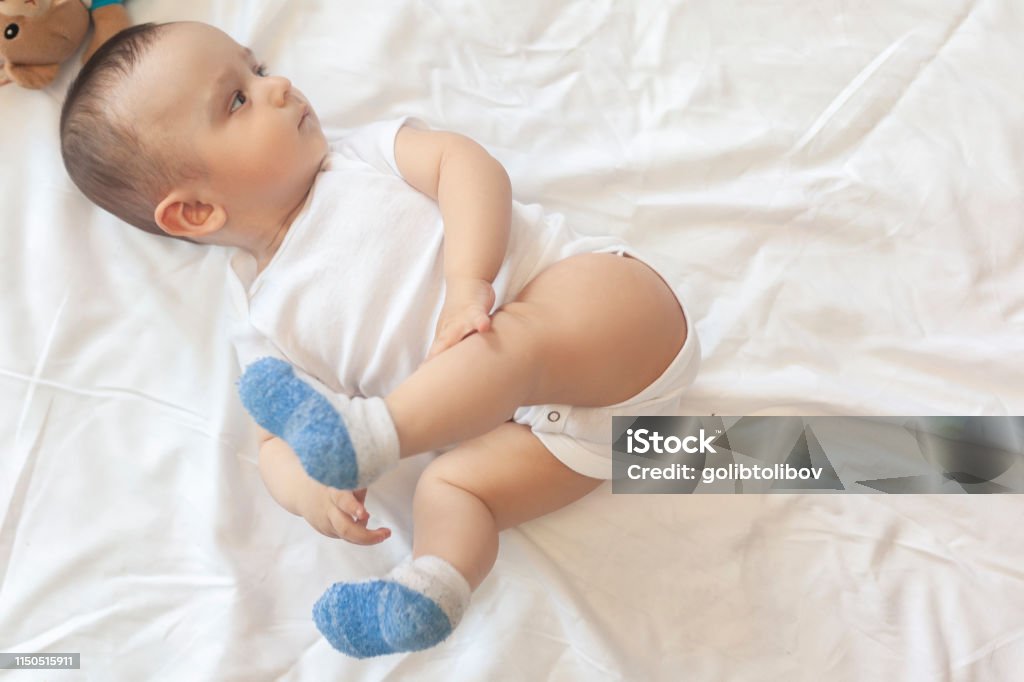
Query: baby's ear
[(181, 215)]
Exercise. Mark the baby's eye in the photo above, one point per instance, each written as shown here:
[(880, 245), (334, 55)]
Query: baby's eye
[(262, 70), (239, 97)]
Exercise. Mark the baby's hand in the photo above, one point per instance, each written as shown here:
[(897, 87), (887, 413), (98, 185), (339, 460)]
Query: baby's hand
[(341, 514), (466, 310)]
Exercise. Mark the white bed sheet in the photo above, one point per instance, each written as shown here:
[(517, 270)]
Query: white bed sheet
[(836, 185)]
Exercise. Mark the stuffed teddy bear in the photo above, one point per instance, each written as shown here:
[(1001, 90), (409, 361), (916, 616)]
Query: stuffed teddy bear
[(39, 35)]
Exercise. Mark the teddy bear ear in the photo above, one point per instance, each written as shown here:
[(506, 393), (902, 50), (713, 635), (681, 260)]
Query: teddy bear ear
[(34, 76)]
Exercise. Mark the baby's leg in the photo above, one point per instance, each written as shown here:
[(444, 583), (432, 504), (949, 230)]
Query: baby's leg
[(463, 500), (486, 485), (591, 330)]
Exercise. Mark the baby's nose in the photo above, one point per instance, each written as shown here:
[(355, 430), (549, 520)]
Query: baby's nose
[(280, 90)]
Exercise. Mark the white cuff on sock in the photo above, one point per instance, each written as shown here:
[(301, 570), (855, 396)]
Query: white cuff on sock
[(373, 436), (438, 580)]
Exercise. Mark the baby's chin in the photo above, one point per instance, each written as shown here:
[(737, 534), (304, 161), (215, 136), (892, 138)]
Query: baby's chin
[(318, 131)]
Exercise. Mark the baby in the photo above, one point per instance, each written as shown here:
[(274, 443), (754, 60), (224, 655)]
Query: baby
[(397, 301)]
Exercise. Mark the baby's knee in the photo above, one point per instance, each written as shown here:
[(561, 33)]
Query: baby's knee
[(443, 470), (523, 323), (521, 329), (447, 476)]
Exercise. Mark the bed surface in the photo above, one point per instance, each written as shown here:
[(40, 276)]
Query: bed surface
[(836, 187)]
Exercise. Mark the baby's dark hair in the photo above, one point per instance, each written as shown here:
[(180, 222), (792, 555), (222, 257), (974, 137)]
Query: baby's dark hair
[(105, 154)]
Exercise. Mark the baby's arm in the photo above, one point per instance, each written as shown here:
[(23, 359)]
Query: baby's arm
[(282, 472), (334, 513), (471, 189), (474, 195)]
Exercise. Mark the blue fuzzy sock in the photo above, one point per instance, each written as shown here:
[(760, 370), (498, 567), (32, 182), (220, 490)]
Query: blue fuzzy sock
[(414, 607), (342, 442)]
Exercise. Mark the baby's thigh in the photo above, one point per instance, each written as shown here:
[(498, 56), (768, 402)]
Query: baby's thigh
[(611, 326), (512, 473)]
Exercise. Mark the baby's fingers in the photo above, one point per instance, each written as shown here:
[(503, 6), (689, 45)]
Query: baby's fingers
[(483, 323), (349, 530), (347, 502)]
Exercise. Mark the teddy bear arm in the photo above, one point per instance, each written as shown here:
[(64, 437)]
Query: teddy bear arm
[(33, 76)]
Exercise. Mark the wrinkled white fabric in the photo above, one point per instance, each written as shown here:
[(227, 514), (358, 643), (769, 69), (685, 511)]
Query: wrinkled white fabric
[(837, 187)]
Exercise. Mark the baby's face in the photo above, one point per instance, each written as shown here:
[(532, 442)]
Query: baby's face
[(258, 138)]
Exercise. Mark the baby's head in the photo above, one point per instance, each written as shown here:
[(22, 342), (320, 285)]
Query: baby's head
[(179, 130)]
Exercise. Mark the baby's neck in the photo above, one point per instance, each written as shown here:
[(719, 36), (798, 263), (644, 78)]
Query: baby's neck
[(264, 257), (265, 254)]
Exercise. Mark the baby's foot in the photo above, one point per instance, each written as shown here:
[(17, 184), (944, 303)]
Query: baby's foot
[(342, 442), (414, 607)]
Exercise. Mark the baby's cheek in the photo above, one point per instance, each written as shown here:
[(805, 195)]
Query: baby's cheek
[(266, 158)]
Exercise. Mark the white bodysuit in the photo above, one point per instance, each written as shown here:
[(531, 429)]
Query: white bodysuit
[(352, 296)]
